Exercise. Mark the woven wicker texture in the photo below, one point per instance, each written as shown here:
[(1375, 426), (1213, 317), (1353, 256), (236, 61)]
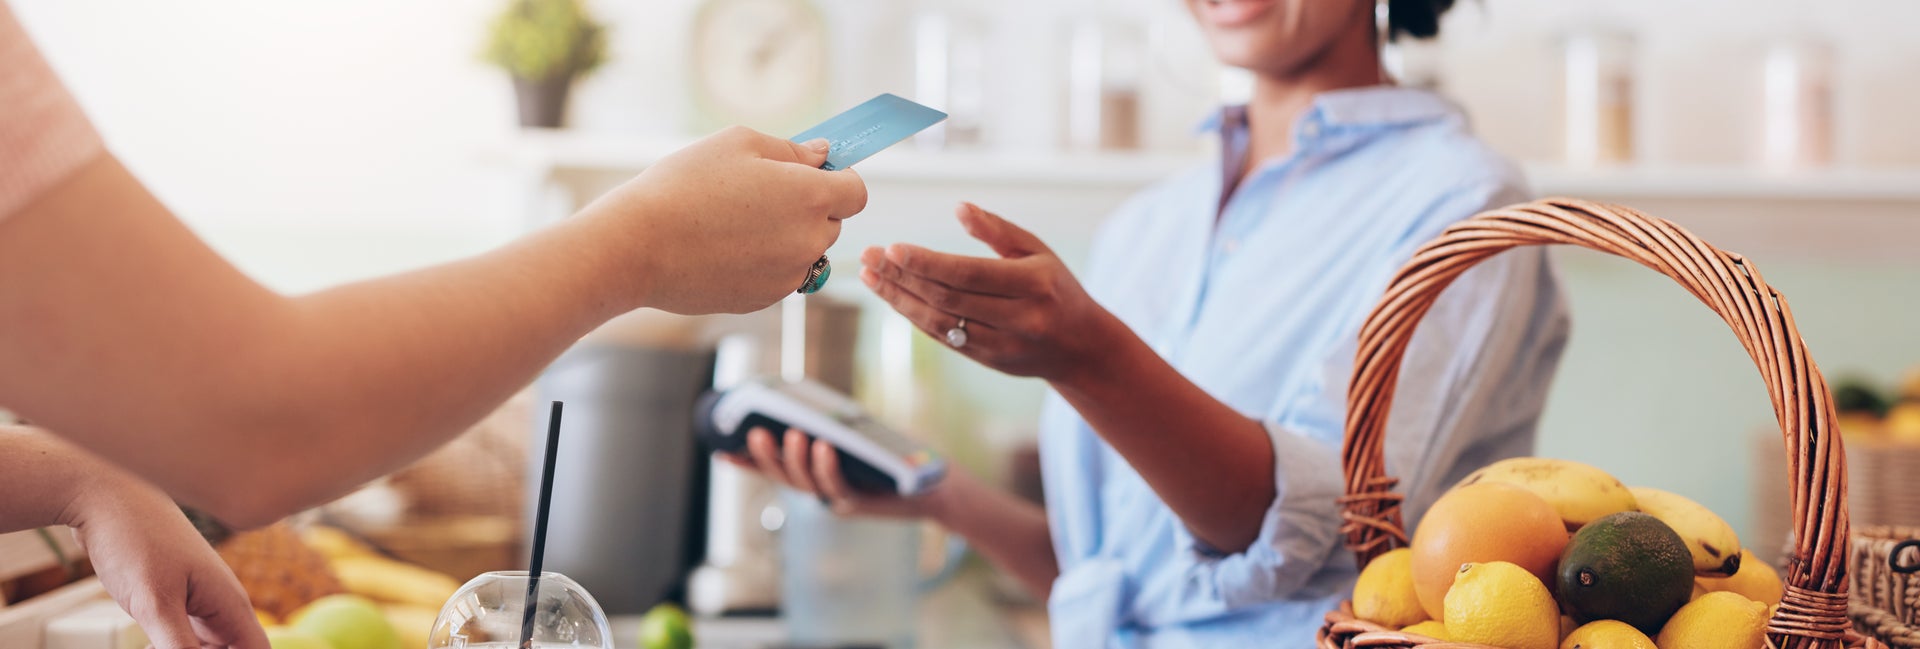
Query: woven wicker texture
[(1814, 611), (1886, 583)]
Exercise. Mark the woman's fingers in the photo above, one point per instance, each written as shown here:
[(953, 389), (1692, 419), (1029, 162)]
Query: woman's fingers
[(737, 460), (933, 322), (1006, 239), (799, 474), (977, 307), (826, 474), (1002, 277), (766, 457)]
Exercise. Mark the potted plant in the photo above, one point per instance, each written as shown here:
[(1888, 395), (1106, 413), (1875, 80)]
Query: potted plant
[(544, 45)]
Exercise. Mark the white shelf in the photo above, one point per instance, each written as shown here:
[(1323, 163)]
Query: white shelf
[(1836, 184), (554, 151), (569, 151)]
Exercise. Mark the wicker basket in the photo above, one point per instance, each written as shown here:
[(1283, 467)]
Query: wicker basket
[(1886, 584), (1814, 611)]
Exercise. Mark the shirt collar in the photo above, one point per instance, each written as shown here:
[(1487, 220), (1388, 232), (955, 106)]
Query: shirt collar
[(1381, 106)]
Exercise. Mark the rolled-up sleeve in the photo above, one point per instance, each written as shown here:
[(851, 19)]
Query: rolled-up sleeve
[(1473, 383), (44, 136)]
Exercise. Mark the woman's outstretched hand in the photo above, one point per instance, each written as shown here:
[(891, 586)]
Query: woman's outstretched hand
[(1025, 313)]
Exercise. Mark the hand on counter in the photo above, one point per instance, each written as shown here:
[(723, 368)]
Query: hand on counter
[(146, 553), (1025, 313)]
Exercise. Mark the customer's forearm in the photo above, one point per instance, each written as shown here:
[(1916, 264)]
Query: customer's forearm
[(1212, 465), (250, 404), (1010, 532), (42, 479)]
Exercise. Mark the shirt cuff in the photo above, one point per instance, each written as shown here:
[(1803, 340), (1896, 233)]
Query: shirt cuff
[(1299, 533)]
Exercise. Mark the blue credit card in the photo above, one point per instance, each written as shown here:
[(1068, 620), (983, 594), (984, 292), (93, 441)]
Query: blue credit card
[(869, 127)]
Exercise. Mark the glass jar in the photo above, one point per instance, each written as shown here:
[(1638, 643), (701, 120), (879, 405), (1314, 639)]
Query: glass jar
[(1597, 91), (1106, 70), (1797, 104), (950, 73)]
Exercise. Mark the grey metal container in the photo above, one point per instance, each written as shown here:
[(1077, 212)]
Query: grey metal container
[(629, 483)]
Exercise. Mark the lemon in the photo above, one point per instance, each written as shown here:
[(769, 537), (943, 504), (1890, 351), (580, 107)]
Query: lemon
[(1384, 593), (1430, 628), (1501, 604), (1756, 581), (1718, 620), (1607, 634)]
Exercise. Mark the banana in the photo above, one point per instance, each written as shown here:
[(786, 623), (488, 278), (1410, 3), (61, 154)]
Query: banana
[(393, 582), (1715, 547), (1579, 492), (335, 543)]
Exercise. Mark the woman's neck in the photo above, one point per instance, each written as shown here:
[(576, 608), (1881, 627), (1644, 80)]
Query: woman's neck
[(1281, 97)]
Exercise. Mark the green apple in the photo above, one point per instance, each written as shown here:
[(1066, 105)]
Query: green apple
[(346, 622), (280, 637), (666, 627)]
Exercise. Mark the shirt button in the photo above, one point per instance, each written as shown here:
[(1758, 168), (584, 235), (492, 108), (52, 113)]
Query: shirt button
[(1310, 130), (1229, 246)]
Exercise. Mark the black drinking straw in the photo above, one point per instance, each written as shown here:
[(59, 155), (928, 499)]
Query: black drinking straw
[(540, 529)]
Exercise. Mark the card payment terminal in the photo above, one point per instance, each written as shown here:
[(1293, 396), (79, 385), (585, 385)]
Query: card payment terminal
[(874, 458)]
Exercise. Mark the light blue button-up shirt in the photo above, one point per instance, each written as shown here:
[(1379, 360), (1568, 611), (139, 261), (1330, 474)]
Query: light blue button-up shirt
[(1259, 300)]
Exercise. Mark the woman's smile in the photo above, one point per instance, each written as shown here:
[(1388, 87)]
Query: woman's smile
[(1233, 13)]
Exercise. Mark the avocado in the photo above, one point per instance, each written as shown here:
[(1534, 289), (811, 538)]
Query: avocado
[(1855, 395), (1627, 566)]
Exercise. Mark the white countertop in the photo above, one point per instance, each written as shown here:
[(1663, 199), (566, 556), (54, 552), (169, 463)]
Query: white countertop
[(960, 615)]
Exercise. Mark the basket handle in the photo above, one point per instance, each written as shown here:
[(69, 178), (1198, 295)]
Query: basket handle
[(1893, 558), (1814, 610)]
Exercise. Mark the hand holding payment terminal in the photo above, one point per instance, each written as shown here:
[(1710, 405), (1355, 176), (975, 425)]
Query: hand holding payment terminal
[(874, 458)]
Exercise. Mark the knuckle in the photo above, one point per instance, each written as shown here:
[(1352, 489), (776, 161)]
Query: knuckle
[(940, 297)]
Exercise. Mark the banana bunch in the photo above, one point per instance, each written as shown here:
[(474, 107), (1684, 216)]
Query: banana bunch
[(363, 571), (393, 582), (1715, 546), (1579, 492)]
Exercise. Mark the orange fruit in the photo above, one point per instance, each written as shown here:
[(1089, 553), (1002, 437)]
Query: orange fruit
[(1479, 523)]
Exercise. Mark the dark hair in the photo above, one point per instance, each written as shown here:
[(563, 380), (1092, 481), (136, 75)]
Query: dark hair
[(1416, 18)]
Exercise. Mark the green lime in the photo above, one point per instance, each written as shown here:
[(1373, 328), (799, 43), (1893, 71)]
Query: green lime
[(666, 627)]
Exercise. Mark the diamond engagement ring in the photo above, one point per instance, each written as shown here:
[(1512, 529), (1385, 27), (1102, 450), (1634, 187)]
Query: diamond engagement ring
[(957, 336)]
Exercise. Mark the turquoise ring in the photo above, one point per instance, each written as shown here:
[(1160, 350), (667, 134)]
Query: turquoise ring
[(816, 276)]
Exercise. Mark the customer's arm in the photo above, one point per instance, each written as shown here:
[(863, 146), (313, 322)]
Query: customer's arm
[(127, 334), (147, 555), (1011, 532)]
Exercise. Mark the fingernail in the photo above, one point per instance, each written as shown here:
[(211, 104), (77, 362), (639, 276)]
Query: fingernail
[(818, 144)]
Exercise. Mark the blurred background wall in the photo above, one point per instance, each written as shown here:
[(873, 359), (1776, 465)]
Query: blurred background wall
[(316, 143)]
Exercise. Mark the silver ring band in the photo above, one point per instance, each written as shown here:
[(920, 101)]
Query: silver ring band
[(816, 276)]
